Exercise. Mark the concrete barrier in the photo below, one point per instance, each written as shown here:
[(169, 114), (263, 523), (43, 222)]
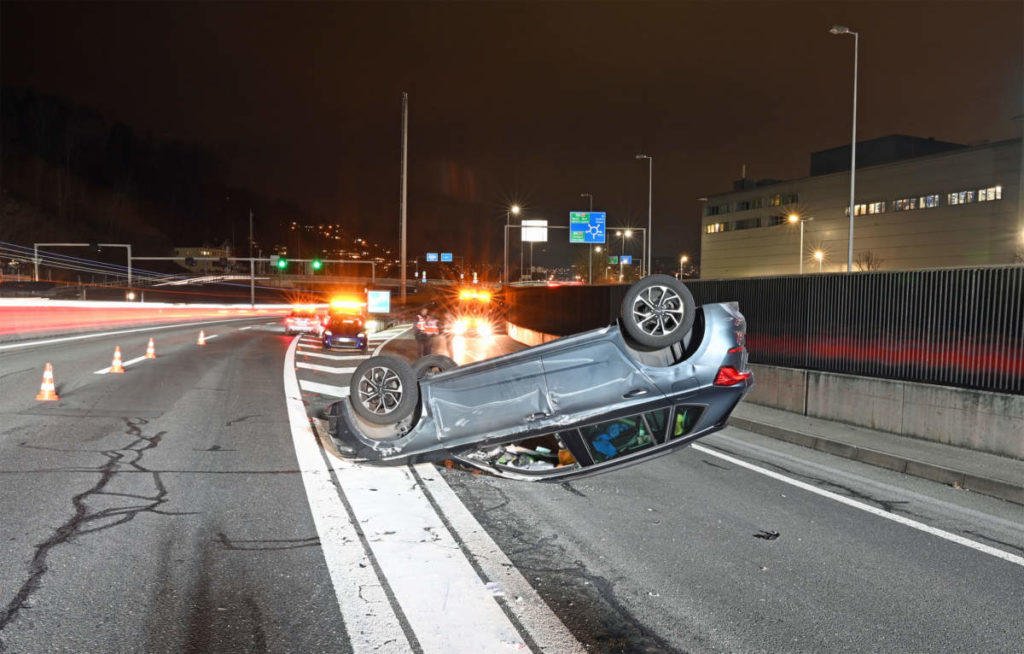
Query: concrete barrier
[(978, 420)]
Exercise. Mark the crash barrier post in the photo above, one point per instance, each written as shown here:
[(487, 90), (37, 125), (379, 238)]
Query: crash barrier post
[(115, 365), (47, 391)]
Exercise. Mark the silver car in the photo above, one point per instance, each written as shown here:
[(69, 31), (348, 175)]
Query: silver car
[(663, 375)]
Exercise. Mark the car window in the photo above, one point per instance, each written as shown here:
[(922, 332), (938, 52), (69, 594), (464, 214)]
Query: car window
[(614, 438), (657, 420), (685, 420)]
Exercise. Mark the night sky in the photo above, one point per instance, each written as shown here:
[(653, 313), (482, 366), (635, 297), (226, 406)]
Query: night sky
[(532, 103)]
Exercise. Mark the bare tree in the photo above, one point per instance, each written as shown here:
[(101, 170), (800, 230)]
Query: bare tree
[(868, 260)]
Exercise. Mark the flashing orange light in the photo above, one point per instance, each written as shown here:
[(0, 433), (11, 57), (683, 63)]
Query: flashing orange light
[(347, 304), (471, 294)]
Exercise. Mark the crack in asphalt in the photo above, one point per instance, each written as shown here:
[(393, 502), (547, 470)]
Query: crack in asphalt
[(263, 545), (79, 524), (1012, 546), (240, 419)]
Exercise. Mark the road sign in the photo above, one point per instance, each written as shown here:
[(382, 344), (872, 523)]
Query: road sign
[(586, 226), (431, 256), (535, 231), (626, 259), (378, 301), (613, 260), (446, 256)]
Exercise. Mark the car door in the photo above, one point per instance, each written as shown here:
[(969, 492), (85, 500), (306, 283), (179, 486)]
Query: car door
[(504, 395), (594, 376)]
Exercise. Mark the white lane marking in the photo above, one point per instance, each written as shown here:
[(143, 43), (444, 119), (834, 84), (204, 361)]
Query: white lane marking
[(391, 338), (64, 339), (330, 369), (324, 389), (920, 526), (124, 364), (370, 622), (447, 605), (211, 336), (242, 329), (532, 612), (335, 357)]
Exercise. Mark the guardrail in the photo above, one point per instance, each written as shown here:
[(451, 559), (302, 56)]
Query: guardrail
[(961, 327)]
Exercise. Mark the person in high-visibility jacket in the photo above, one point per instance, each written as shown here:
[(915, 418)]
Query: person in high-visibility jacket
[(427, 328)]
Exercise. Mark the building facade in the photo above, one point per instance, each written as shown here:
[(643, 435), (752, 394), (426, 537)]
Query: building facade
[(926, 205)]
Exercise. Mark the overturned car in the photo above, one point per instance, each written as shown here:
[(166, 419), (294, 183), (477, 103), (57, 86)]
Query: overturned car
[(663, 375)]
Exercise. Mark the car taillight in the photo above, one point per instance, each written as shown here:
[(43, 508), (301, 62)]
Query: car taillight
[(729, 376)]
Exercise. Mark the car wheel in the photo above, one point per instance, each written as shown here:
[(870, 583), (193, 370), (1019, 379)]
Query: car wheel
[(432, 364), (657, 311), (383, 390)]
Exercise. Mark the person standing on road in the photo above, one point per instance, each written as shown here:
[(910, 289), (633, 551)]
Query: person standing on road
[(420, 332), (431, 328)]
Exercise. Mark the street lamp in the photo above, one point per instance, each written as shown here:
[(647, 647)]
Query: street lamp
[(514, 209), (683, 259), (819, 255), (650, 188), (842, 29), (622, 236), (590, 261), (794, 218)]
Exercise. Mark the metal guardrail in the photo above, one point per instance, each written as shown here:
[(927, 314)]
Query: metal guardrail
[(961, 327)]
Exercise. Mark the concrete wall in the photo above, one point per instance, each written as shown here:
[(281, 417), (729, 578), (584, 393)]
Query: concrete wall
[(978, 420)]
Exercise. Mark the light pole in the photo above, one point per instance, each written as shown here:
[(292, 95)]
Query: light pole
[(514, 209), (590, 261), (819, 255), (794, 218), (650, 232), (622, 250), (842, 29), (683, 259)]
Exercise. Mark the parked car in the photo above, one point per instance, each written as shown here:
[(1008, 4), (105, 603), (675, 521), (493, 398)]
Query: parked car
[(302, 320), (347, 332), (663, 375)]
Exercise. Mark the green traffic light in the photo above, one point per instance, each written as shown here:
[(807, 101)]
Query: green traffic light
[(317, 264), (282, 263)]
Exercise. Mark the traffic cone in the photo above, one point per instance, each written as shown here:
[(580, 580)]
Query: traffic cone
[(150, 350), (115, 365), (47, 390), (202, 338)]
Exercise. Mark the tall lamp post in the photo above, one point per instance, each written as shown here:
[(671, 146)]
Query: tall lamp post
[(683, 259), (650, 188), (590, 260), (842, 29), (794, 218), (514, 209)]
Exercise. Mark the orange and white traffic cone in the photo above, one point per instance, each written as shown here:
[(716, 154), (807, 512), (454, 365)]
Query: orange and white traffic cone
[(202, 338), (47, 390), (151, 350), (115, 365)]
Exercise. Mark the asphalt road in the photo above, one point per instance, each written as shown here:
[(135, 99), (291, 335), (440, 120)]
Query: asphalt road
[(165, 510)]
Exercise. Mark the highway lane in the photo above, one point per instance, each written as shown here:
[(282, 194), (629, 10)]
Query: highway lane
[(165, 510), (160, 510)]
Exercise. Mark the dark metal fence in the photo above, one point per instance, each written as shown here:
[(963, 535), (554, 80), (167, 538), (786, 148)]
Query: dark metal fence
[(960, 327)]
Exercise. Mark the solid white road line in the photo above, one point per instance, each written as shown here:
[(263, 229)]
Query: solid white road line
[(533, 613), (64, 339), (330, 369), (335, 357), (124, 364), (920, 526), (323, 389), (446, 603), (370, 622), (242, 329), (210, 337)]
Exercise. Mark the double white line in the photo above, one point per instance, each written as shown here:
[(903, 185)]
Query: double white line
[(419, 573)]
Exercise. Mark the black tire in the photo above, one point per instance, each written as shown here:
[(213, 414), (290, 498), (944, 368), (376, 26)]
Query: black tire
[(432, 364), (657, 311), (383, 390)]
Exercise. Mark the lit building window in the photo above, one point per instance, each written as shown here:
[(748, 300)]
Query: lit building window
[(715, 228), (775, 201), (858, 210), (929, 201), (961, 197), (876, 207), (904, 204), (990, 193)]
